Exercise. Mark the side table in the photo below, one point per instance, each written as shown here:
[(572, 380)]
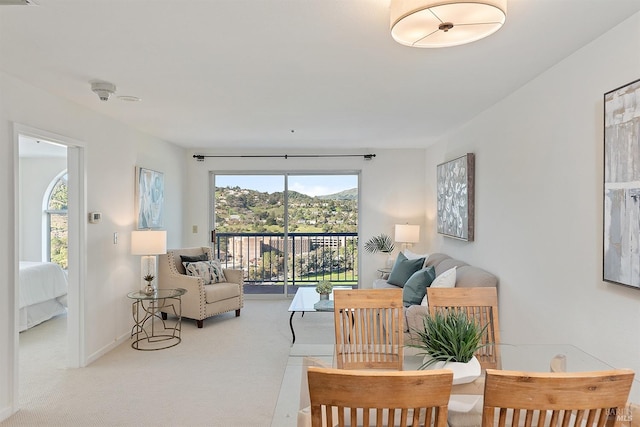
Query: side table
[(150, 331)]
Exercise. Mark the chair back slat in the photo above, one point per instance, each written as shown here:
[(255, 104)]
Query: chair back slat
[(553, 399), (391, 398), (369, 328), (479, 303)]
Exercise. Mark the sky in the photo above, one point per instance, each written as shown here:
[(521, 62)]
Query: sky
[(311, 185)]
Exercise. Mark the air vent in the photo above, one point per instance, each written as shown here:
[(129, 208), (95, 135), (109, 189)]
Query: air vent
[(18, 3)]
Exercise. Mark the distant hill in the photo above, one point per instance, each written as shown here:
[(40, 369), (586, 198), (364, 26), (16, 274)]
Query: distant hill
[(351, 194), (243, 210)]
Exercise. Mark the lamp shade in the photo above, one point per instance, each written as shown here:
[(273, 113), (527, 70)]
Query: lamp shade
[(406, 233), (149, 242), (444, 23)]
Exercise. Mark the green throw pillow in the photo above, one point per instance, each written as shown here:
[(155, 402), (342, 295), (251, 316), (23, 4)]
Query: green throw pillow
[(403, 269), (416, 287)]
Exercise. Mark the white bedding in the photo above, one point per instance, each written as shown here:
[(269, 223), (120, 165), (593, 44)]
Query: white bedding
[(43, 292)]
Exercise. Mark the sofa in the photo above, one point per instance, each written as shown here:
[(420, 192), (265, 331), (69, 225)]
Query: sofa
[(467, 276), (201, 300)]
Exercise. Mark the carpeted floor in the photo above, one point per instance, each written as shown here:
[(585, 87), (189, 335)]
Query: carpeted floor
[(227, 374)]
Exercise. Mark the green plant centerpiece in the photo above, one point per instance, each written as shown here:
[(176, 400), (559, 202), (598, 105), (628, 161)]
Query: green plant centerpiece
[(381, 243), (449, 340), (324, 288)]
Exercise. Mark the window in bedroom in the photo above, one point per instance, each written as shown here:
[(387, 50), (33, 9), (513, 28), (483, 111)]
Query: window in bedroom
[(57, 226)]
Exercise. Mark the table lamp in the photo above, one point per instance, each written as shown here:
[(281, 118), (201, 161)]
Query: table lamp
[(148, 243), (406, 234)]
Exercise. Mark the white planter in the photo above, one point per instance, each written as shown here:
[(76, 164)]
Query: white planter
[(462, 372)]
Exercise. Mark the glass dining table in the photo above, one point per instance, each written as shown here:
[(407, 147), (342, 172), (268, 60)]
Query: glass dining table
[(465, 404)]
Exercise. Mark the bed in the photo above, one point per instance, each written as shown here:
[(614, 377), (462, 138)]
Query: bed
[(43, 293)]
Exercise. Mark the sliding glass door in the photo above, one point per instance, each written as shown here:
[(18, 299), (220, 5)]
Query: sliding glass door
[(287, 230)]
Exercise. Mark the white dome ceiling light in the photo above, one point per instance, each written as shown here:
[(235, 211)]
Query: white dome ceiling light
[(445, 23)]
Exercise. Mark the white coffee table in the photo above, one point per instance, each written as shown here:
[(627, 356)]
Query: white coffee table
[(304, 301)]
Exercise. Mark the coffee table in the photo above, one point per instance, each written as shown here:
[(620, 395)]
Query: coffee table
[(304, 301)]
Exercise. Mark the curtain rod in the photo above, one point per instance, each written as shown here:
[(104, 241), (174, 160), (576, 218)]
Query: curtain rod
[(201, 157)]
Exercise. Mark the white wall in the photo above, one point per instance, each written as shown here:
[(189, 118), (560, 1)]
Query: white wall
[(111, 153), (391, 191), (539, 174), (36, 175)]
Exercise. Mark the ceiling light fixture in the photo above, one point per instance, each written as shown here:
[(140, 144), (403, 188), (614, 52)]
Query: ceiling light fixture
[(17, 3), (445, 23)]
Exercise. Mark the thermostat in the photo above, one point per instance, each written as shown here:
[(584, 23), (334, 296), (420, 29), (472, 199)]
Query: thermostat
[(95, 217)]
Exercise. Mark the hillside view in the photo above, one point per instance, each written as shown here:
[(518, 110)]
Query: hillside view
[(240, 210)]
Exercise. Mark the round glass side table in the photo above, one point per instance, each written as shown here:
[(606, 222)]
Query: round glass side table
[(150, 331)]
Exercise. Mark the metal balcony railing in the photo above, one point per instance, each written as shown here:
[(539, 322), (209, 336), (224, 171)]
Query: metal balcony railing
[(295, 259)]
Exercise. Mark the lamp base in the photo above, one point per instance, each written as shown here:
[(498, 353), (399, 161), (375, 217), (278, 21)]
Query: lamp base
[(148, 266)]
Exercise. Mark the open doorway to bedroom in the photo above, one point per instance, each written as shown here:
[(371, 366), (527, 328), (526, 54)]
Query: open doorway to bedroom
[(48, 222)]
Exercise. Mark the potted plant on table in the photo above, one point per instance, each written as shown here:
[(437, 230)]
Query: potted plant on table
[(449, 340), (324, 288), (149, 288), (381, 243)]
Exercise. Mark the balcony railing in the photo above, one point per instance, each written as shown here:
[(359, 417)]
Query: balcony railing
[(310, 257)]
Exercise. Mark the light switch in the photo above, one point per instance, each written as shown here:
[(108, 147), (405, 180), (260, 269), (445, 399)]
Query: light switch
[(194, 229), (115, 238)]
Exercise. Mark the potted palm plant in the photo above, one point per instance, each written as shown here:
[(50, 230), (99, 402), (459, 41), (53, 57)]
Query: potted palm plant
[(381, 243), (449, 340)]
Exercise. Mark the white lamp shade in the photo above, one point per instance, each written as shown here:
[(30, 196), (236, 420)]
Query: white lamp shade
[(444, 23), (406, 233), (149, 242)]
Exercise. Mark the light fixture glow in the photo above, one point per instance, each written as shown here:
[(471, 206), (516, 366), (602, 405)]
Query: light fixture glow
[(445, 23)]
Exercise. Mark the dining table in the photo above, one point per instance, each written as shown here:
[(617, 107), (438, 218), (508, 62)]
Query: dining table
[(465, 404)]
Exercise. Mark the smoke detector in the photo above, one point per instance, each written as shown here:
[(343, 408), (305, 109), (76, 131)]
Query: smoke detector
[(103, 89)]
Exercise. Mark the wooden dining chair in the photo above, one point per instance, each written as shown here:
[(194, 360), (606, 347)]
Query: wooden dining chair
[(390, 398), (369, 328), (479, 303), (513, 398)]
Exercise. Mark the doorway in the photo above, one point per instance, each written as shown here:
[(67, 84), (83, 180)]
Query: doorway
[(49, 167)]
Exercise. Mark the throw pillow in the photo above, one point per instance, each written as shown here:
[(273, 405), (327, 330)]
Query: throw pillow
[(210, 271), (403, 269), (445, 280), (412, 255), (416, 287), (196, 258)]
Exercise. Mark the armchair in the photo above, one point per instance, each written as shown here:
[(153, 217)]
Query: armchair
[(201, 301)]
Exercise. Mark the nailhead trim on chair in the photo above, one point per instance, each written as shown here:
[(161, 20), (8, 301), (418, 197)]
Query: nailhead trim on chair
[(174, 270)]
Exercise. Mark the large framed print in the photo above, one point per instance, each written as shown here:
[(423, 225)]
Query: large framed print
[(621, 251), (455, 198), (149, 198)]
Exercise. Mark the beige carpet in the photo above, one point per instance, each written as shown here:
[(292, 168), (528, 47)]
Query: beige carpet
[(227, 374)]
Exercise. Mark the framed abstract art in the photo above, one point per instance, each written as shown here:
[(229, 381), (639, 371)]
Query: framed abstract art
[(621, 251), (455, 196), (149, 198)]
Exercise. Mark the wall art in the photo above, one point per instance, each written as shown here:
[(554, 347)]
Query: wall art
[(621, 252), (149, 198), (455, 194)]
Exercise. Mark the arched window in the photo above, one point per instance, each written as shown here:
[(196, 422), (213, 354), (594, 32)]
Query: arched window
[(57, 224)]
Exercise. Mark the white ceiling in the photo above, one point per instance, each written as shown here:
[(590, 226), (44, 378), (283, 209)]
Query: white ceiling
[(245, 73)]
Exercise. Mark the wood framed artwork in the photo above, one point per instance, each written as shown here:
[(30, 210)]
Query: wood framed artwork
[(621, 230), (455, 197), (149, 198)]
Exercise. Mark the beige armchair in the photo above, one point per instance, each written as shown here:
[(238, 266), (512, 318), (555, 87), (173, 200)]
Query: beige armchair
[(201, 301)]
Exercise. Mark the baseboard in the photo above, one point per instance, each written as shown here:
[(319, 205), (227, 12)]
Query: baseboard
[(106, 349), (5, 413)]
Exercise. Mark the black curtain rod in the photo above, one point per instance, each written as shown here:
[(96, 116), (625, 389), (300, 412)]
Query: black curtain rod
[(201, 157)]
